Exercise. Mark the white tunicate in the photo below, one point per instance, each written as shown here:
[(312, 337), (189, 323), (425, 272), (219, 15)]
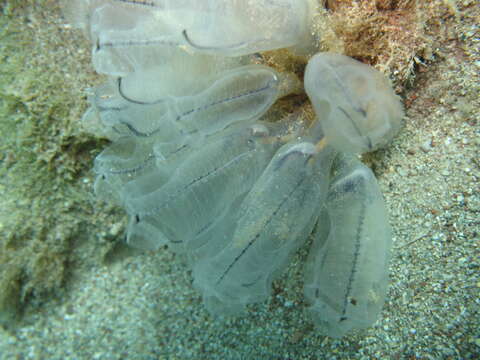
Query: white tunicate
[(129, 36), (216, 235), (347, 272), (195, 168), (176, 73), (238, 95), (122, 116), (203, 185), (240, 27), (79, 12), (242, 94), (144, 235), (146, 183), (273, 221), (173, 154), (354, 103), (122, 162)]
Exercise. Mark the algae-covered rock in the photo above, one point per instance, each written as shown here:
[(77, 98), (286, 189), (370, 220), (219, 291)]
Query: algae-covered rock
[(45, 157)]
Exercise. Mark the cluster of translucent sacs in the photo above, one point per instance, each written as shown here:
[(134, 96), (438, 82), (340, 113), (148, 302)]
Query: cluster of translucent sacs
[(196, 168)]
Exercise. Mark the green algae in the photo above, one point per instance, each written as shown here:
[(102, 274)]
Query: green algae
[(44, 159)]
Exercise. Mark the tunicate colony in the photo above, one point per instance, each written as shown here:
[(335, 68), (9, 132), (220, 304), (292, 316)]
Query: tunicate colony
[(197, 167)]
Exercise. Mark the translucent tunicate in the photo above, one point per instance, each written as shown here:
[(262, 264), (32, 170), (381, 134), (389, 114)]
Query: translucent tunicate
[(123, 117), (273, 221), (354, 103), (128, 37), (79, 12), (234, 28), (204, 184), (144, 235), (120, 163), (241, 94), (132, 35), (347, 272), (176, 73), (196, 168)]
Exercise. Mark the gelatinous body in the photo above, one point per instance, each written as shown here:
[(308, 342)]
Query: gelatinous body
[(237, 27), (241, 94), (273, 221), (120, 163), (354, 103), (202, 187), (347, 272), (196, 166), (131, 35)]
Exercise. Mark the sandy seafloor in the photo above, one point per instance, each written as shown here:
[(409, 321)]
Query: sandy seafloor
[(143, 305)]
